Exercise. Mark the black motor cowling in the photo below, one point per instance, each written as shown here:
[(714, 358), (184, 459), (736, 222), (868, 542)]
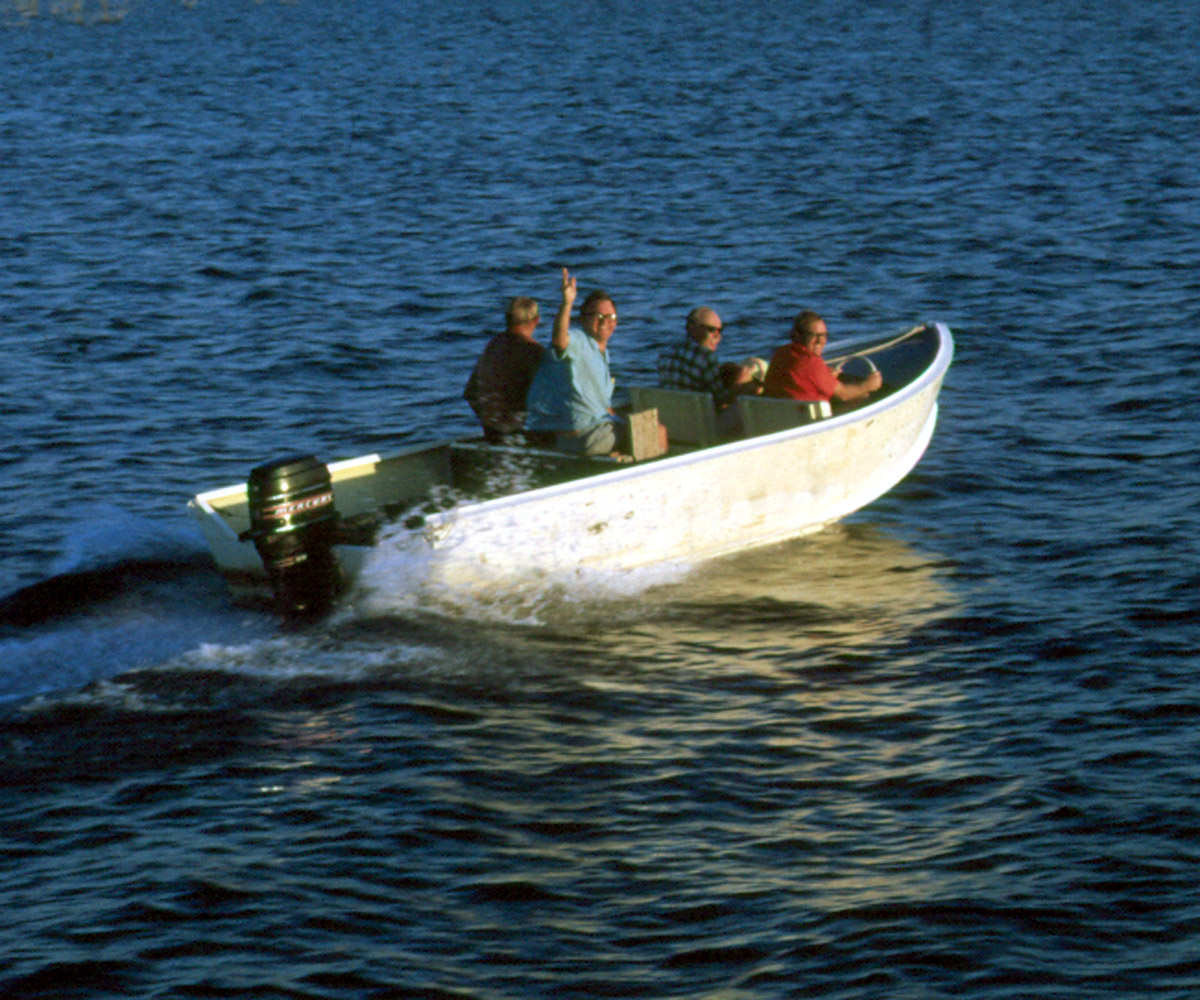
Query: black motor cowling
[(293, 522)]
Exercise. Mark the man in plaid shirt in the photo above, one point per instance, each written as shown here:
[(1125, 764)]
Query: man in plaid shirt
[(692, 363)]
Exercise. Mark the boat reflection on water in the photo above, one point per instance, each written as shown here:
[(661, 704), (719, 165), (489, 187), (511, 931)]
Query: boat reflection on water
[(844, 591)]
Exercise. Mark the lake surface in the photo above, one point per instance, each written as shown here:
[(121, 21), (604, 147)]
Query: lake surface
[(948, 747)]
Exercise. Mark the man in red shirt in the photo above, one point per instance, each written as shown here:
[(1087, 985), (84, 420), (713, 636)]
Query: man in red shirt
[(797, 370)]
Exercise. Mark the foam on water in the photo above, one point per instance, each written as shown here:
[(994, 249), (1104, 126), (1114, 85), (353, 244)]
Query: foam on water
[(404, 572), (306, 655)]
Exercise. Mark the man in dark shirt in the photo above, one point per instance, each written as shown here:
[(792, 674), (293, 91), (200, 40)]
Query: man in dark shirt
[(692, 363), (498, 384)]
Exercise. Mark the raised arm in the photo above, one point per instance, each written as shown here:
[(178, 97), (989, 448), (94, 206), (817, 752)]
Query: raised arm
[(561, 336)]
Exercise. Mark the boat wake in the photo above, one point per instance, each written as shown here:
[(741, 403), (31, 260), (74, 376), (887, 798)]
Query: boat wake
[(145, 598), (77, 628), (154, 627), (126, 592)]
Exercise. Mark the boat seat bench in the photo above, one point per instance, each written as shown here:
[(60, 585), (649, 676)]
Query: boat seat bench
[(765, 415), (688, 416), (691, 419)]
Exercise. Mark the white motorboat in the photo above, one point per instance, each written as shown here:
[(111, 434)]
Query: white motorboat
[(301, 530)]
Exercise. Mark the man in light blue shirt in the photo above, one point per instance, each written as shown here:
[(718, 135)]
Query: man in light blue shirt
[(571, 394)]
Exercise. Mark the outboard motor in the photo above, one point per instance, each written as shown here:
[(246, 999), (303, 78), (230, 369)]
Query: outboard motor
[(292, 523)]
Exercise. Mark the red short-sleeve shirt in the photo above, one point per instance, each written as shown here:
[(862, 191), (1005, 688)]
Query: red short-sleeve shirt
[(799, 374)]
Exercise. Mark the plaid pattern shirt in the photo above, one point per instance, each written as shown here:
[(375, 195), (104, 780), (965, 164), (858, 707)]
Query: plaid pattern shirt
[(687, 365)]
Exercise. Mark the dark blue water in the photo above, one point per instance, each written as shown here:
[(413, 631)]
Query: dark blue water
[(945, 748)]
